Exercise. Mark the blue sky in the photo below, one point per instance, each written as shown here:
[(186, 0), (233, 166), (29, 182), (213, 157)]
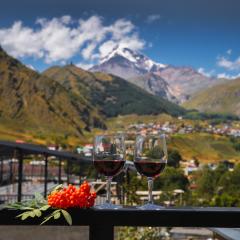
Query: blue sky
[(198, 33)]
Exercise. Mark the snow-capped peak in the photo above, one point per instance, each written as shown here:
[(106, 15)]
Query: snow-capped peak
[(140, 60)]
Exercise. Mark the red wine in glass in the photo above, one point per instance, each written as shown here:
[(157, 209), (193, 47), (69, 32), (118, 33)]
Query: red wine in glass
[(149, 169), (150, 159), (109, 168), (109, 160)]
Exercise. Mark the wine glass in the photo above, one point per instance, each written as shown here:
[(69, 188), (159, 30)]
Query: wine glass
[(150, 160), (109, 160)]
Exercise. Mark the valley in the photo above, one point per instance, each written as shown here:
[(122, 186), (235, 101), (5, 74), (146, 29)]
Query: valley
[(67, 106)]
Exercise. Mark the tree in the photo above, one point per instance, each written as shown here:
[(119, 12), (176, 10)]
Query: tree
[(171, 179), (225, 200), (174, 158), (133, 184), (205, 180), (230, 182), (221, 169)]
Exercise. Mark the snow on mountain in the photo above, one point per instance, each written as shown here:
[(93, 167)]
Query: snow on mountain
[(139, 60)]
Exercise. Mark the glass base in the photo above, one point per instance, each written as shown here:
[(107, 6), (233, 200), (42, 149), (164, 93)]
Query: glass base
[(151, 206), (108, 206)]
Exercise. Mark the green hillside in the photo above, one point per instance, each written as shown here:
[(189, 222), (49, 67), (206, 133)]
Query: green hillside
[(65, 103), (112, 95), (223, 98), (30, 102), (204, 147)]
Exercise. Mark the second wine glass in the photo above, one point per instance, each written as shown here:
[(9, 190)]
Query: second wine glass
[(109, 160), (150, 160)]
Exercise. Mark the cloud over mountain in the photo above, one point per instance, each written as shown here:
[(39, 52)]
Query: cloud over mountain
[(228, 64), (60, 39)]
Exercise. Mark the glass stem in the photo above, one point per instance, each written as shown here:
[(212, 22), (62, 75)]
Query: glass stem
[(109, 180), (150, 188)]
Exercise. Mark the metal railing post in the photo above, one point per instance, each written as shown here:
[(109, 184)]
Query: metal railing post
[(68, 168), (45, 175), (20, 174), (60, 171), (1, 170)]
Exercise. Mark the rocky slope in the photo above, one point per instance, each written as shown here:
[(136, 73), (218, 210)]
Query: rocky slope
[(180, 82)]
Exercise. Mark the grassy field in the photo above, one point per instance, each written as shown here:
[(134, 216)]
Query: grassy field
[(204, 147), (222, 98), (121, 122)]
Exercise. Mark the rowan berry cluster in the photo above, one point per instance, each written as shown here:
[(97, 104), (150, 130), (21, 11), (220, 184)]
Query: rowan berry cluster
[(72, 196)]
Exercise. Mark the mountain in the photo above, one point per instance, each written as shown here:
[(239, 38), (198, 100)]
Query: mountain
[(110, 94), (126, 63), (180, 82), (223, 98), (31, 101), (155, 85), (185, 81)]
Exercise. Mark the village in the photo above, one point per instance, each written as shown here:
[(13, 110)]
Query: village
[(188, 166)]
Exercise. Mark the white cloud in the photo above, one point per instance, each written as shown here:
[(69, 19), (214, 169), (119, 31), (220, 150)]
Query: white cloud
[(131, 42), (232, 66), (84, 66), (87, 52), (20, 41), (205, 73), (60, 39), (228, 76), (228, 64), (120, 28), (153, 18), (212, 73)]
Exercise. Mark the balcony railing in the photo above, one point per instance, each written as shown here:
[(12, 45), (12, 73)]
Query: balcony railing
[(101, 222)]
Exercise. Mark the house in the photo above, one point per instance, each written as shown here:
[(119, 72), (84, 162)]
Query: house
[(88, 150)]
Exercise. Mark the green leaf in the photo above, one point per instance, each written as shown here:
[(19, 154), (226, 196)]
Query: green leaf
[(46, 219), (26, 208), (25, 216), (37, 212), (44, 208), (18, 206), (38, 196), (57, 215), (13, 205), (32, 214), (19, 215), (67, 216)]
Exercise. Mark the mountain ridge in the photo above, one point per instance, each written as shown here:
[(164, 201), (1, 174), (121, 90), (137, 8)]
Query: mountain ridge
[(222, 98), (182, 81), (111, 94), (30, 99)]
